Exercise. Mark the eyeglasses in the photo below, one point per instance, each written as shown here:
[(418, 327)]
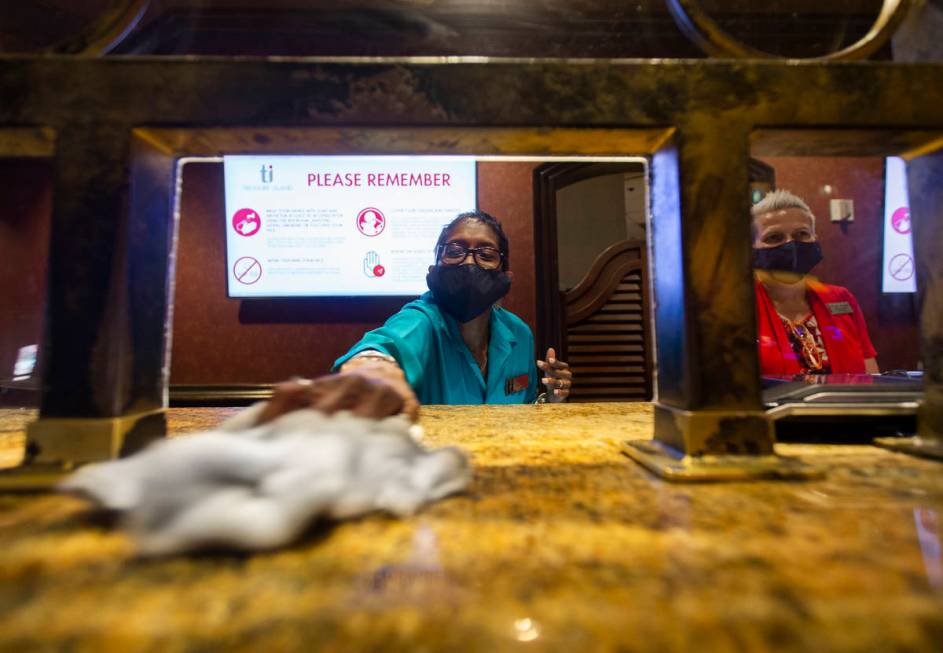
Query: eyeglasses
[(485, 257)]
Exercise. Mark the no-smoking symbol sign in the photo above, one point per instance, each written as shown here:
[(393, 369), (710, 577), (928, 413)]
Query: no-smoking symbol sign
[(247, 270), (901, 267)]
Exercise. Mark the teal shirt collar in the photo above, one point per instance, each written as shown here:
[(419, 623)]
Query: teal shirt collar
[(501, 341)]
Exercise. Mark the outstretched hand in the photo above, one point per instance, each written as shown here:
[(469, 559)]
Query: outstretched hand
[(557, 376), (370, 263), (370, 389)]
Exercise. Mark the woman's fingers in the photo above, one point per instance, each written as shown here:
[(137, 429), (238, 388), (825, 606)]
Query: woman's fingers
[(286, 397), (558, 378), (393, 376), (362, 393), (553, 382)]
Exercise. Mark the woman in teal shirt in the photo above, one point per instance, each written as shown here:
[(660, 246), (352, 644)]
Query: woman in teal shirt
[(454, 345)]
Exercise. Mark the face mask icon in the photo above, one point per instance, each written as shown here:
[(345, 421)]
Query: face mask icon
[(371, 222)]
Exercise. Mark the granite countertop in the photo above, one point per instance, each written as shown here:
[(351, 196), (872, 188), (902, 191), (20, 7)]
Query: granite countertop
[(560, 544)]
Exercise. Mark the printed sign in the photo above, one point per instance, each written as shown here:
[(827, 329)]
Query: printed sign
[(339, 225), (898, 261)]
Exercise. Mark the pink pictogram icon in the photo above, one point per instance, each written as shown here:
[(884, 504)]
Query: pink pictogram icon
[(379, 271), (246, 222), (900, 220), (371, 222)]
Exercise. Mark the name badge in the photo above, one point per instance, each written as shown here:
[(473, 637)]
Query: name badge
[(839, 308), (516, 384)]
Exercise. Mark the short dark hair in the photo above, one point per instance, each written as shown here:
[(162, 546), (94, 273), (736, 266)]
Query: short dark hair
[(484, 218)]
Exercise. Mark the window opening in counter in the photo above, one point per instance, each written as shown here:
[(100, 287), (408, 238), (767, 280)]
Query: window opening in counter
[(239, 347), (839, 355)]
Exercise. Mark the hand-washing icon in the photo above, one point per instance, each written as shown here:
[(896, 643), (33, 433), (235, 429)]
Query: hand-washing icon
[(371, 265), (246, 222)]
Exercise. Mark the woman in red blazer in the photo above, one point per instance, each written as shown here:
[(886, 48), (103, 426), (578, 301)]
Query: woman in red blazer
[(804, 326)]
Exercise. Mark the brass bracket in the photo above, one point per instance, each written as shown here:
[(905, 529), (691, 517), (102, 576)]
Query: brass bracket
[(714, 445), (56, 445), (33, 477), (672, 465), (915, 446), (928, 443), (83, 440)]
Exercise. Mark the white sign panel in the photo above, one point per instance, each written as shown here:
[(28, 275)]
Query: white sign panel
[(898, 264), (339, 225)]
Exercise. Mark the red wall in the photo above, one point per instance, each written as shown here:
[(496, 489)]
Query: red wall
[(505, 190), (24, 243), (221, 340), (852, 251)]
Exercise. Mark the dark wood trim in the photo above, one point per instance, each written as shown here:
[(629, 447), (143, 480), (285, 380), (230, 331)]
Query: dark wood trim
[(241, 394), (761, 172), (611, 266)]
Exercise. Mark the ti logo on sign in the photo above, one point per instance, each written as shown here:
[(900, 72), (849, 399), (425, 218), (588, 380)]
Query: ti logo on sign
[(371, 222), (246, 222), (268, 175)]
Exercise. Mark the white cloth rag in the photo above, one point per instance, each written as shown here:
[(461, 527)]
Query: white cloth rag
[(248, 487)]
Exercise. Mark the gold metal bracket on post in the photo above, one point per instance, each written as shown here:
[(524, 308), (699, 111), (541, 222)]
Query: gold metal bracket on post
[(714, 445), (672, 465), (928, 442), (56, 446), (915, 446)]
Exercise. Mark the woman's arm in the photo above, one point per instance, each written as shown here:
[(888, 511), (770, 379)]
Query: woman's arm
[(871, 366)]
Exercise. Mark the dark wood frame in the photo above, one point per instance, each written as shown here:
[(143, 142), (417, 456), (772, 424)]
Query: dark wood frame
[(548, 179), (117, 135)]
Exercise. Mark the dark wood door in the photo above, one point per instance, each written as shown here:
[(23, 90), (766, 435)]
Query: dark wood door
[(591, 321)]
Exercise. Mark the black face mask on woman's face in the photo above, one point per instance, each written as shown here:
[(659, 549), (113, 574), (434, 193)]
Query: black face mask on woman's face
[(794, 256), (467, 291)]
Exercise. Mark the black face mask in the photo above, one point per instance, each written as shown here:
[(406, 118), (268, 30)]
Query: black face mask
[(466, 291), (793, 256)]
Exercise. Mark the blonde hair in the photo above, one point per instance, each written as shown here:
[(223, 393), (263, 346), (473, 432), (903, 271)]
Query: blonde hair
[(779, 200)]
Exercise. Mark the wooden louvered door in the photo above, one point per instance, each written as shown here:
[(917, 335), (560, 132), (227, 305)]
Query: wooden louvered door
[(606, 328)]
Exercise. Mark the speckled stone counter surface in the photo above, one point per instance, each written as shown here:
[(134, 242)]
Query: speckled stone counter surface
[(561, 544)]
